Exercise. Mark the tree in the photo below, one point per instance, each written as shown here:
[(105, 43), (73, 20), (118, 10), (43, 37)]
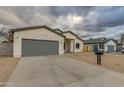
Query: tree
[(122, 39), (4, 32)]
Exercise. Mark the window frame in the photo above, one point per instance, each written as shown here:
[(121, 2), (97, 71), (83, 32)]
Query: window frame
[(77, 45)]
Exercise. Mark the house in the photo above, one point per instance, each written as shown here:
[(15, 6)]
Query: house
[(108, 45), (72, 42), (42, 40)]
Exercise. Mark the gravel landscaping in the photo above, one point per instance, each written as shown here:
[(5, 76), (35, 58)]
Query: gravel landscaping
[(7, 65), (111, 61)]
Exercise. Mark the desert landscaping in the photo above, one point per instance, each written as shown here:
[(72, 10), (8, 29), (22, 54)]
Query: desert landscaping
[(113, 62), (7, 65)]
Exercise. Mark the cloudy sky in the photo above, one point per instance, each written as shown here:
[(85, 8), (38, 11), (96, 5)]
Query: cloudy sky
[(85, 21)]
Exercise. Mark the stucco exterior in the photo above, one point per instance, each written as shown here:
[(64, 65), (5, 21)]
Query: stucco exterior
[(81, 45), (37, 34), (69, 35), (111, 42), (71, 40), (67, 40), (69, 45), (91, 47)]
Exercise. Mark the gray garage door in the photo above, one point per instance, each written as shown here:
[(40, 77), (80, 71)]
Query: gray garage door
[(39, 47), (110, 48)]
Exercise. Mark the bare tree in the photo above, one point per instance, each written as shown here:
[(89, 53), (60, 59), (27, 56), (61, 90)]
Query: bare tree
[(4, 32), (122, 39)]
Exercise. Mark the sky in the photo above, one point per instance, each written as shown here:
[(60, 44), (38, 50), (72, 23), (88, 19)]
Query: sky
[(86, 21)]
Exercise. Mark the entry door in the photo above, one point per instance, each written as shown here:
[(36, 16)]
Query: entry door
[(110, 48), (39, 47)]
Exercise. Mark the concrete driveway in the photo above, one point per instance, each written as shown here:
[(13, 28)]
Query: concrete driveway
[(60, 71)]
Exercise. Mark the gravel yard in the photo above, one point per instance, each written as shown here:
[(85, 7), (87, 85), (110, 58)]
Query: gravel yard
[(7, 65), (113, 62)]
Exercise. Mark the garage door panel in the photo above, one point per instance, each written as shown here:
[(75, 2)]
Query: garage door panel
[(39, 47)]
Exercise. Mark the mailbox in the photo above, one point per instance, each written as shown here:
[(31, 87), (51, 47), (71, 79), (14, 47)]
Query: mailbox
[(99, 53)]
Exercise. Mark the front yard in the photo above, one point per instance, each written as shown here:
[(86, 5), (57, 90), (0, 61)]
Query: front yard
[(113, 62), (7, 65)]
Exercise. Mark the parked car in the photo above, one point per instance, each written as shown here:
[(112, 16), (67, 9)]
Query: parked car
[(122, 51)]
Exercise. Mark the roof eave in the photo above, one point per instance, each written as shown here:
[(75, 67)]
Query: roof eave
[(35, 27), (74, 35)]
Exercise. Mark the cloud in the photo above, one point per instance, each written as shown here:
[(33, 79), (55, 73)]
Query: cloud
[(102, 17), (113, 32), (67, 10), (84, 20), (10, 18), (29, 15)]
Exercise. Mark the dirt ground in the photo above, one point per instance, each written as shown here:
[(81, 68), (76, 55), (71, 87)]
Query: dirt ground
[(7, 65), (113, 62)]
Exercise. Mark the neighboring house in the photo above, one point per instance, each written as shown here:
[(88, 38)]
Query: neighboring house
[(42, 40), (92, 45)]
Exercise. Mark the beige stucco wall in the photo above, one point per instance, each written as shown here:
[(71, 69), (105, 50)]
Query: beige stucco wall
[(69, 35), (72, 45), (73, 42), (39, 34), (81, 45), (67, 45)]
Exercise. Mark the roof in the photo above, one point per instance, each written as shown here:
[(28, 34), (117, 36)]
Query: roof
[(73, 34), (97, 41), (58, 30), (44, 26), (35, 27)]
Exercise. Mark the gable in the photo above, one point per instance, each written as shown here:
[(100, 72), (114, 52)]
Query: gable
[(34, 28), (69, 35), (79, 40), (38, 33), (110, 42)]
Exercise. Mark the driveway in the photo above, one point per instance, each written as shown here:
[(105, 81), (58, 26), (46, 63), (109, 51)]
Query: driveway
[(61, 71)]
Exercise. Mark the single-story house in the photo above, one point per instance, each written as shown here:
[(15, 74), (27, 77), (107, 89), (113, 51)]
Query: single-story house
[(42, 40), (92, 45), (72, 42)]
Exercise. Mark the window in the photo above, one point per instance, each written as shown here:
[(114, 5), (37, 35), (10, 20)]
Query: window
[(77, 45)]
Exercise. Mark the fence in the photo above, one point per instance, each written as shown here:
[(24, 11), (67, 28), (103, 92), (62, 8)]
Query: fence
[(6, 49)]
